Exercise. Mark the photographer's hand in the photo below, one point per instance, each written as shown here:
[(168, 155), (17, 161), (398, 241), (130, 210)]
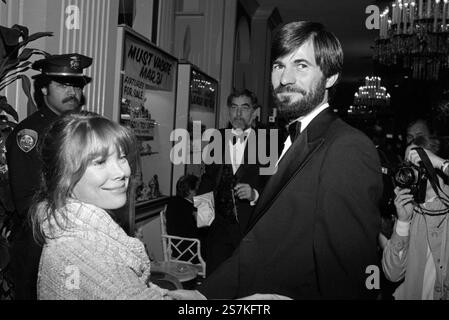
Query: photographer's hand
[(436, 161), (404, 204)]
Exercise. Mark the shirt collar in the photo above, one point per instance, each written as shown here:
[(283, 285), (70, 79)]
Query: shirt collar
[(47, 112), (236, 132), (305, 120)]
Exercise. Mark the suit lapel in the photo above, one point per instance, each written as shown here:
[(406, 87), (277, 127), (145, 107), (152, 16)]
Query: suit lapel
[(296, 157), (294, 160)]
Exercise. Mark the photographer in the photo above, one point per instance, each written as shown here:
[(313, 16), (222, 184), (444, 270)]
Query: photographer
[(417, 251), (437, 162)]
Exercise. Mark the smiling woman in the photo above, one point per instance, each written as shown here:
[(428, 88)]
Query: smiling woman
[(86, 255)]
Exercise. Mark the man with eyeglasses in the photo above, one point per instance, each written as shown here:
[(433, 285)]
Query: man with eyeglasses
[(58, 88), (236, 183)]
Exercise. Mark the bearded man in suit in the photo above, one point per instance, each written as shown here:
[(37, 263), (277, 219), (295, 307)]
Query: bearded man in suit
[(313, 232)]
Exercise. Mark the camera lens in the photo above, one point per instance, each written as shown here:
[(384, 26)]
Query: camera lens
[(405, 177)]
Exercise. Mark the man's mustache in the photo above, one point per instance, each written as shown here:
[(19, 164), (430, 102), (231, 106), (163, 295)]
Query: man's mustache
[(286, 89), (68, 99)]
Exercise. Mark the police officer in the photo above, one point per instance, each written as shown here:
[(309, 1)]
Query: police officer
[(58, 88)]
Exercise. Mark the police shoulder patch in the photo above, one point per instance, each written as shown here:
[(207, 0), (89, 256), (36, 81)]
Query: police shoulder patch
[(27, 140)]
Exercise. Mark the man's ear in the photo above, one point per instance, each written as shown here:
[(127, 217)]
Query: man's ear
[(332, 80), (44, 91)]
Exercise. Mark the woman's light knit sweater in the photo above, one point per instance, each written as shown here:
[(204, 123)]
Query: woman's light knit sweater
[(93, 259)]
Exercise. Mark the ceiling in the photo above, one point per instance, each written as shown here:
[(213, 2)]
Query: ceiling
[(346, 19)]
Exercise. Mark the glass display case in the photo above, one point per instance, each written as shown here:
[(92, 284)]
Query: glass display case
[(196, 102), (146, 105)]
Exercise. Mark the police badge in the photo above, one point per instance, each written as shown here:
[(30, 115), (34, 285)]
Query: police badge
[(27, 140), (75, 62)]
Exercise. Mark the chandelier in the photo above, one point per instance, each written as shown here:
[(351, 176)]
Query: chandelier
[(370, 98), (415, 36)]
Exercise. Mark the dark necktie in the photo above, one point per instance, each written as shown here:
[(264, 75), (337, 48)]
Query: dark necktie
[(294, 129)]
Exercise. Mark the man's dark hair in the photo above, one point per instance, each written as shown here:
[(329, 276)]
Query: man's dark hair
[(243, 93), (40, 81), (328, 51), (185, 184)]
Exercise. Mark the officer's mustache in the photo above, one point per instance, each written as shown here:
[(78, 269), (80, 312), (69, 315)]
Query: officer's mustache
[(68, 99), (285, 89)]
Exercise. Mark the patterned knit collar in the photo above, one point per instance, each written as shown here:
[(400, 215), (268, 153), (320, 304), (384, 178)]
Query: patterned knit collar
[(108, 239)]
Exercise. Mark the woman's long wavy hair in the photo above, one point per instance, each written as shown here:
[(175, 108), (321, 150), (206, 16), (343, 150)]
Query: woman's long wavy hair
[(70, 144)]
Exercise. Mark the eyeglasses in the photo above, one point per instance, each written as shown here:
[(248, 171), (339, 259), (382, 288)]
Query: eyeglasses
[(241, 108)]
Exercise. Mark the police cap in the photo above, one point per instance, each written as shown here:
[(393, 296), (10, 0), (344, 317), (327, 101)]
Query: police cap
[(64, 68)]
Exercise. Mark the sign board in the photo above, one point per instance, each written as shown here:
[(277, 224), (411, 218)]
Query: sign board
[(146, 67), (146, 105)]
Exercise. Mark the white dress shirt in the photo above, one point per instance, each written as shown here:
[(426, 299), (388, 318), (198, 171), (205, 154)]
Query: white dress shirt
[(237, 152), (305, 120)]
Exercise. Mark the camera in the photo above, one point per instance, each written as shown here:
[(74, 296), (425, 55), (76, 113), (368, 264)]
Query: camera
[(412, 177)]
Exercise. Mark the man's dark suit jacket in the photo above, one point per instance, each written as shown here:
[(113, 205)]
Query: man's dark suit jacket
[(182, 223), (224, 235), (315, 227), (180, 219)]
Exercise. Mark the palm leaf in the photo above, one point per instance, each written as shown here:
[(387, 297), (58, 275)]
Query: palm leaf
[(4, 75), (4, 106), (26, 87), (23, 30), (16, 75), (32, 37), (25, 55), (7, 83), (35, 36)]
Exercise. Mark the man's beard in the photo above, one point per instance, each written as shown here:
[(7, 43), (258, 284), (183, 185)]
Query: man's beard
[(308, 102)]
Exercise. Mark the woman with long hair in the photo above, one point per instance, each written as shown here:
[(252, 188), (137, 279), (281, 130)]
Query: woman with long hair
[(86, 254)]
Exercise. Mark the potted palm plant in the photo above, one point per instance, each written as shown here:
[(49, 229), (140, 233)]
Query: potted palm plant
[(14, 62)]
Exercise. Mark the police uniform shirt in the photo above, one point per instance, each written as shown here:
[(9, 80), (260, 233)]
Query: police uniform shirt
[(24, 165)]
